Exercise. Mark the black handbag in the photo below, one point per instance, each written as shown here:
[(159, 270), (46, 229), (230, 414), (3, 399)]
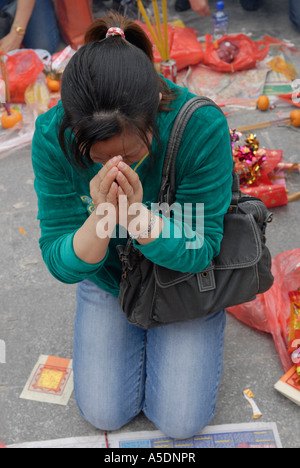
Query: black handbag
[(152, 295)]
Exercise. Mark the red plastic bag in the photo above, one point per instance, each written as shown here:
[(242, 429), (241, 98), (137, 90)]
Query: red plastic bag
[(183, 44), (74, 17), (22, 68), (270, 311), (249, 52)]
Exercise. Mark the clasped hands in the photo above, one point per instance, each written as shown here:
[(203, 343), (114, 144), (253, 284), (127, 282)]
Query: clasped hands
[(116, 188)]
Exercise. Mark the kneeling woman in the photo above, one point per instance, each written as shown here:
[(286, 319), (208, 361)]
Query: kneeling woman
[(106, 138)]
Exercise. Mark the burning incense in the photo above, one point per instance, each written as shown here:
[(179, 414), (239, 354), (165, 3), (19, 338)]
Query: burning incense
[(160, 41), (151, 30)]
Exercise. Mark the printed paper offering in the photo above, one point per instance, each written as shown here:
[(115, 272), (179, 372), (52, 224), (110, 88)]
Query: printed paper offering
[(251, 435), (248, 435), (51, 381), (289, 385)]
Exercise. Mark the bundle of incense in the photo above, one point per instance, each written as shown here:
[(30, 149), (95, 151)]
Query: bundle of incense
[(161, 41)]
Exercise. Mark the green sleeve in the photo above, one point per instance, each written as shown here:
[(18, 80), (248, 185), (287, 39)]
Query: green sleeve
[(60, 210), (204, 179)]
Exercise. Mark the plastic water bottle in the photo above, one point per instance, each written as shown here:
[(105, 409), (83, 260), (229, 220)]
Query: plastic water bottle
[(220, 21)]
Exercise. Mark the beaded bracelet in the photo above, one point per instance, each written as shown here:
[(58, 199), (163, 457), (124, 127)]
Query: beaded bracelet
[(144, 234)]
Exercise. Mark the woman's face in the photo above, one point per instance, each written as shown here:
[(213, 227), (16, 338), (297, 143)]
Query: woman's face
[(127, 145)]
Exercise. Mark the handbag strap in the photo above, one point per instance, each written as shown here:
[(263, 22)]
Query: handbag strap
[(167, 188)]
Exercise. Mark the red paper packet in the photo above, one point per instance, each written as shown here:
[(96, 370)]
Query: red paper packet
[(294, 323)]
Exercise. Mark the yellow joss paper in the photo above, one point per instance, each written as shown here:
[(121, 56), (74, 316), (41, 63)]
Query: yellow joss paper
[(279, 65)]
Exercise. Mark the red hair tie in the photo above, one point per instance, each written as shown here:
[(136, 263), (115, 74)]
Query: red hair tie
[(115, 32)]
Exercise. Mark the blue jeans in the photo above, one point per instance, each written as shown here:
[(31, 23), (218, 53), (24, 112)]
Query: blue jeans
[(42, 31), (171, 373), (295, 12)]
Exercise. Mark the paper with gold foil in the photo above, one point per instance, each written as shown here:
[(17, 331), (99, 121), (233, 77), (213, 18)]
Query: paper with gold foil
[(51, 381)]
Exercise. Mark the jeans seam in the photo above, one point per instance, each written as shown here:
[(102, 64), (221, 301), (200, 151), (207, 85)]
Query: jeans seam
[(139, 400), (220, 369)]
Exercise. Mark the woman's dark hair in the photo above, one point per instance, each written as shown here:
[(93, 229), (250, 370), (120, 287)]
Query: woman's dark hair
[(109, 84)]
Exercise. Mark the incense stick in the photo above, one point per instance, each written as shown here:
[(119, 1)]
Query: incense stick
[(270, 123), (293, 196), (165, 21), (106, 439), (289, 166), (158, 25)]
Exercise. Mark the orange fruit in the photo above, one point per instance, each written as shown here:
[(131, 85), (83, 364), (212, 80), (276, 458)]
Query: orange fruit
[(10, 120), (263, 103), (52, 83), (295, 118)]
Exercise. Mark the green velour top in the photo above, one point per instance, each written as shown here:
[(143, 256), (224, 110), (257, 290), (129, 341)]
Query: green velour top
[(203, 176)]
